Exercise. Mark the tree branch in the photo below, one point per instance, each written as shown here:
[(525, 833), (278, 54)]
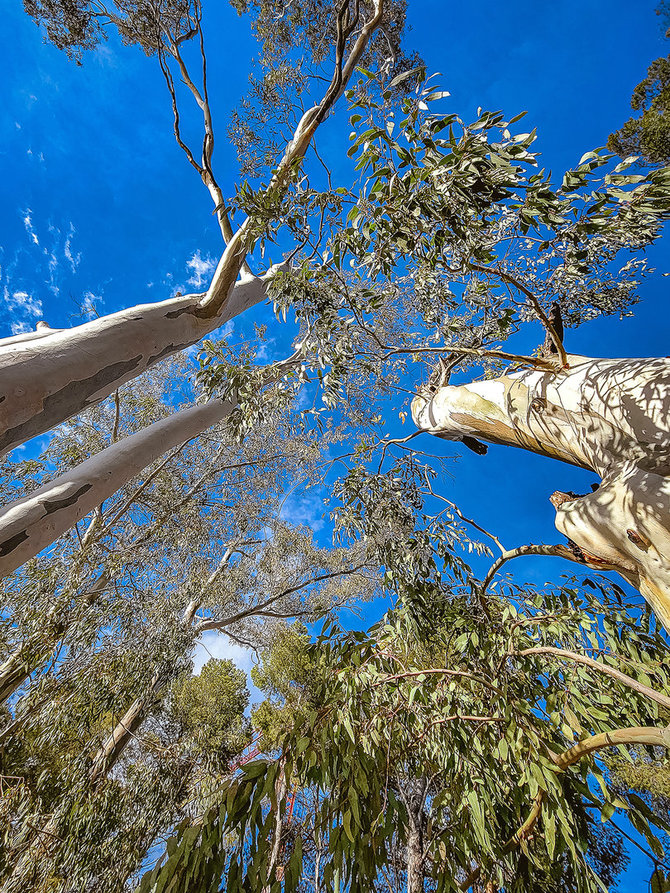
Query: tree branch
[(544, 319), (210, 624), (647, 735), (231, 261), (535, 362), (558, 551), (628, 681)]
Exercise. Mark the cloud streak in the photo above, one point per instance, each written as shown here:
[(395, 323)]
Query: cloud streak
[(28, 224), (201, 268), (24, 310)]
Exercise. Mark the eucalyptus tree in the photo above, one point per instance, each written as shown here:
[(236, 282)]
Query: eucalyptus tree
[(452, 242), (452, 227), (96, 842), (98, 634), (457, 242), (503, 709), (55, 374), (342, 35)]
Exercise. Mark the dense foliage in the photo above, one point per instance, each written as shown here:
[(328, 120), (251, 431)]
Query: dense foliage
[(473, 715), (466, 739), (648, 134)]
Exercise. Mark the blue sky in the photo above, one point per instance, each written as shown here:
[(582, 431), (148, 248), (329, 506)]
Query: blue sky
[(100, 207)]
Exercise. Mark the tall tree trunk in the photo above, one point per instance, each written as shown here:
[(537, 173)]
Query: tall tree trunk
[(49, 378), (611, 416), (316, 883), (415, 861), (124, 730), (16, 669), (278, 830), (32, 523), (413, 792)]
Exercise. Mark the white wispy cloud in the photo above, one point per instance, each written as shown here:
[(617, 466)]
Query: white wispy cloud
[(28, 223), (25, 304), (23, 310), (53, 270), (200, 267), (305, 508), (91, 304), (266, 352), (73, 259), (218, 645)]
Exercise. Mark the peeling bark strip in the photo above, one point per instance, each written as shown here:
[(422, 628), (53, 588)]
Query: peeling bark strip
[(31, 524), (611, 416), (47, 379)]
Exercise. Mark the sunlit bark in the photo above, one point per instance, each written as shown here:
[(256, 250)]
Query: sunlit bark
[(55, 374), (611, 416)]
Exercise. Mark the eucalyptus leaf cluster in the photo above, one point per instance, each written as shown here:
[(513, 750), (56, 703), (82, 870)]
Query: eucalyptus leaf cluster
[(468, 709)]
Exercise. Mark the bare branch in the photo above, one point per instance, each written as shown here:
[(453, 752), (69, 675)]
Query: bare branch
[(537, 307), (558, 550)]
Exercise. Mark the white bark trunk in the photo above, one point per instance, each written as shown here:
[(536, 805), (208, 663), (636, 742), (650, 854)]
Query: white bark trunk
[(47, 380), (122, 732), (52, 375), (32, 523), (611, 416)]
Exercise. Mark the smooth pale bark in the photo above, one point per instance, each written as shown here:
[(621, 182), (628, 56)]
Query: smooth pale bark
[(46, 381), (16, 669), (42, 329), (611, 416), (29, 656), (30, 524), (50, 376), (124, 730)]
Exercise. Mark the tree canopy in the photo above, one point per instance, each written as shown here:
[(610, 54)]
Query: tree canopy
[(488, 732)]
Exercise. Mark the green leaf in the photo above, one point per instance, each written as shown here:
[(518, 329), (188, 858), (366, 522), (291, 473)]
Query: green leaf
[(406, 75), (346, 822), (550, 832)]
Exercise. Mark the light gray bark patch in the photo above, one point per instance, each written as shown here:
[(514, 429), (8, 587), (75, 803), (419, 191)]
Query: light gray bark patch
[(73, 398), (50, 506), (55, 505)]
